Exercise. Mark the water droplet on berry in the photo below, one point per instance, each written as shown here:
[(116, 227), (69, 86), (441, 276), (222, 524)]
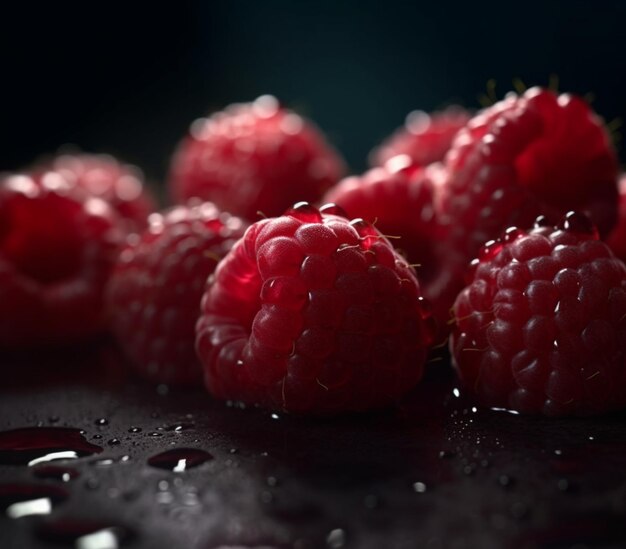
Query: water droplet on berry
[(114, 442), (135, 430), (490, 250), (101, 422), (303, 211), (419, 487), (511, 234), (333, 209), (542, 221), (579, 223), (180, 459), (33, 445)]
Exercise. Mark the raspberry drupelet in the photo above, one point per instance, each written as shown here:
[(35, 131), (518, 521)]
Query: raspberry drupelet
[(315, 314), (57, 249), (254, 157), (153, 297), (541, 328)]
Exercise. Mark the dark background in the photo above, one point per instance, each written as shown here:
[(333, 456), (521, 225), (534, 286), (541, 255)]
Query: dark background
[(128, 79)]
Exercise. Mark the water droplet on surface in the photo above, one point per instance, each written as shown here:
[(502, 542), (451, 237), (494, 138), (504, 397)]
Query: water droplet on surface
[(101, 422), (419, 487), (56, 472), (155, 434), (22, 500), (135, 430), (180, 459), (33, 445), (336, 538), (180, 427), (114, 442), (85, 534)]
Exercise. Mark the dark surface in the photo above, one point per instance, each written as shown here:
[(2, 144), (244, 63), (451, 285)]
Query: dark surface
[(490, 479)]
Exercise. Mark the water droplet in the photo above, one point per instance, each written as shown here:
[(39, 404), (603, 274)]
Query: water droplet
[(101, 422), (22, 500), (419, 487), (275, 416), (180, 459), (456, 392), (114, 442), (85, 534), (336, 538), (97, 437), (135, 430), (505, 481), (33, 445), (55, 472), (305, 212), (180, 427), (155, 434)]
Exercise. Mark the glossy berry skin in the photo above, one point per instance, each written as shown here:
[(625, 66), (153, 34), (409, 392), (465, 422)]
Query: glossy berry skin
[(254, 157), (120, 185), (425, 138), (617, 239), (399, 198), (529, 155), (313, 314), (57, 249), (153, 297), (541, 328)]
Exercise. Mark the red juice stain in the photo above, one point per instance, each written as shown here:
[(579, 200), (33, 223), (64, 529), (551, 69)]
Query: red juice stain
[(32, 445)]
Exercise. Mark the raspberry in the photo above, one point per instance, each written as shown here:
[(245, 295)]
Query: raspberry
[(399, 199), (57, 248), (154, 294), (252, 158), (527, 155), (425, 138), (314, 314), (617, 239), (121, 185), (541, 328)]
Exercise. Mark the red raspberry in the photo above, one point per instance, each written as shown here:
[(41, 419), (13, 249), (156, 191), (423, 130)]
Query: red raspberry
[(541, 328), (121, 185), (154, 294), (425, 138), (254, 157), (312, 313), (57, 249), (617, 239), (528, 155), (399, 199)]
